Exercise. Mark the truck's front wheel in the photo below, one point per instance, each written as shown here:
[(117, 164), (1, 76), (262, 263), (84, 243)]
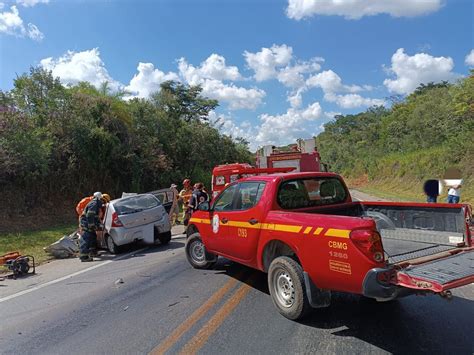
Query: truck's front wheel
[(196, 253), (287, 288)]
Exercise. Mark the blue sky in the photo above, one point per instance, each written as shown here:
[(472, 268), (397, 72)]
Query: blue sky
[(280, 69)]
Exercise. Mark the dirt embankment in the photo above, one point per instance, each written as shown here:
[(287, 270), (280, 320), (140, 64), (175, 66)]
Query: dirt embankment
[(36, 218)]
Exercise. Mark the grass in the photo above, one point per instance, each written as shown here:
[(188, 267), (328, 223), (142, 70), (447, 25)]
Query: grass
[(33, 242), (404, 189)]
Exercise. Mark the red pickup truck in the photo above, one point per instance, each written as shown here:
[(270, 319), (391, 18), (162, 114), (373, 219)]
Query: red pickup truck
[(304, 230)]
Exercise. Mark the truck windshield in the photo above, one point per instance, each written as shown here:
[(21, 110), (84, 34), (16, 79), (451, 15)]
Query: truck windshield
[(308, 192)]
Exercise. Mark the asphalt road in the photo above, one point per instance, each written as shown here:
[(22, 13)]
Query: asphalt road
[(163, 305)]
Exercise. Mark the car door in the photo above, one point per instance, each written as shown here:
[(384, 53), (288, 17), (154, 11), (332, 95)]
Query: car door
[(242, 221), (166, 197)]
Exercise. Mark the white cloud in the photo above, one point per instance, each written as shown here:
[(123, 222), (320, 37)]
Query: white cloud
[(237, 97), (469, 60), (355, 9), (295, 98), (148, 80), (265, 62), (330, 82), (31, 3), (273, 129), (331, 114), (227, 126), (214, 67), (34, 33), (293, 75), (12, 24), (74, 67), (411, 71), (350, 101), (288, 127), (210, 75)]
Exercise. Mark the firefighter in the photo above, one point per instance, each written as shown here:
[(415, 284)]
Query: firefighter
[(90, 223), (185, 195), (174, 211), (199, 196)]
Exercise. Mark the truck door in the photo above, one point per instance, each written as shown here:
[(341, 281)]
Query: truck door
[(221, 206), (243, 221)]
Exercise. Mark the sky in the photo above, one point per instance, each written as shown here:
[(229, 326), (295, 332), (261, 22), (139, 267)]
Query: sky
[(279, 69)]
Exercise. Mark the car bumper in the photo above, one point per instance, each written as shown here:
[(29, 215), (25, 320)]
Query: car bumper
[(144, 233)]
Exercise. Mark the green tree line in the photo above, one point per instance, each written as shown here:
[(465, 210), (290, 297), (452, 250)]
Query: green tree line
[(417, 138), (58, 143)]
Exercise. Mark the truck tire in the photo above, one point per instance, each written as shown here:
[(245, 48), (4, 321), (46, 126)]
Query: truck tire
[(164, 238), (196, 253), (287, 288), (111, 246)]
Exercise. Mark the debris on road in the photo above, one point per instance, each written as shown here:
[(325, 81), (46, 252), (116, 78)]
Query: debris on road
[(66, 247), (119, 281)]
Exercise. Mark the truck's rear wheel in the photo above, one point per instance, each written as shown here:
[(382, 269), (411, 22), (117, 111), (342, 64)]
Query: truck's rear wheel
[(287, 288), (196, 253)]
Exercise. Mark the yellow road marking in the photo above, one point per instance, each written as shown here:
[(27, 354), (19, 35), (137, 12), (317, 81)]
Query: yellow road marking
[(318, 231), (340, 233), (210, 327), (307, 230), (191, 320)]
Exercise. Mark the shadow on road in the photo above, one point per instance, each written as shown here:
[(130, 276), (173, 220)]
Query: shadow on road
[(251, 277), (103, 256), (410, 325), (414, 324)]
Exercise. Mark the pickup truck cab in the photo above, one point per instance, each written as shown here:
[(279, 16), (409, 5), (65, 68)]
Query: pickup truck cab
[(304, 230)]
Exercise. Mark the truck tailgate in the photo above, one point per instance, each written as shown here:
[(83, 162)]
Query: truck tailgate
[(439, 275)]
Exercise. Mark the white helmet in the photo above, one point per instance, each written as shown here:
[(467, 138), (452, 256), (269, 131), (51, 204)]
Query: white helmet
[(98, 195)]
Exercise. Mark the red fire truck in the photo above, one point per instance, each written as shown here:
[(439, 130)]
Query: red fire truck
[(300, 157)]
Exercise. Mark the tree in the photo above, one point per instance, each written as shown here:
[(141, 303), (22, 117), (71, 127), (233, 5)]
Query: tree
[(182, 102)]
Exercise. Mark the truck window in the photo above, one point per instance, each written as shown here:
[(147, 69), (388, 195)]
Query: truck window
[(249, 194), (300, 193), (224, 201)]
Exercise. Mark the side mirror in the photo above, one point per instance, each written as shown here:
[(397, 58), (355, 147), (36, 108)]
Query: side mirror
[(204, 206)]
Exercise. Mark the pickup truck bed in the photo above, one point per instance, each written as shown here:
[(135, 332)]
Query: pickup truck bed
[(444, 271), (408, 232), (403, 250)]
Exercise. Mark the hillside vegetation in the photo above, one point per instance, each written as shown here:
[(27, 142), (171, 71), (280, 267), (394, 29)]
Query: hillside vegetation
[(395, 150), (59, 144)]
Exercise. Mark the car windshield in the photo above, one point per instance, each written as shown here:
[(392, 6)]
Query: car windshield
[(135, 204), (300, 193)]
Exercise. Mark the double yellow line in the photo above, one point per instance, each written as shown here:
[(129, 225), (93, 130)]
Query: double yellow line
[(211, 325)]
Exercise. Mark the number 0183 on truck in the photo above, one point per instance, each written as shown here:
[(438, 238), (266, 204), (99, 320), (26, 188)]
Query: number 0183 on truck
[(306, 233)]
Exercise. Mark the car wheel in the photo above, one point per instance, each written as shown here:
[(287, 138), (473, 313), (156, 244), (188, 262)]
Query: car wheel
[(196, 253), (164, 238), (111, 246), (287, 288)]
